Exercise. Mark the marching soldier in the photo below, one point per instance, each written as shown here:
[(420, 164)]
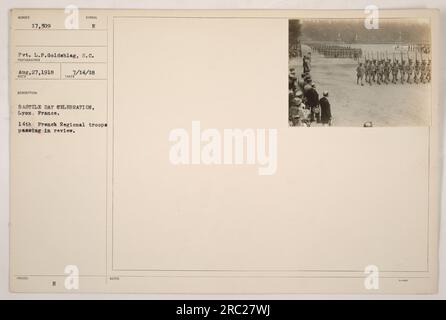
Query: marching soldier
[(402, 71), (416, 74), (395, 71), (360, 70), (368, 72), (380, 72), (428, 71), (387, 72), (374, 70), (409, 71), (423, 72)]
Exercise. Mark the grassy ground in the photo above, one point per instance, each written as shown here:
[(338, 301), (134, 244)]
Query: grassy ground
[(352, 104)]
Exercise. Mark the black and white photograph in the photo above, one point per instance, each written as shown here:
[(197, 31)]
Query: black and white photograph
[(343, 74)]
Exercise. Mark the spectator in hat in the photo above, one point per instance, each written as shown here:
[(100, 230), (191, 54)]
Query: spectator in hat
[(325, 109), (296, 112), (312, 98), (292, 80), (301, 82), (299, 94)]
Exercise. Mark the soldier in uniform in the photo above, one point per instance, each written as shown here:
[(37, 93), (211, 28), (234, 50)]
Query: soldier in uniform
[(416, 74), (409, 71), (395, 71), (368, 72), (387, 72), (403, 71), (380, 71), (374, 70), (429, 71), (360, 70), (423, 72), (306, 61)]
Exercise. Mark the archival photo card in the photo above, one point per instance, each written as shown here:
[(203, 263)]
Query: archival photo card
[(156, 151)]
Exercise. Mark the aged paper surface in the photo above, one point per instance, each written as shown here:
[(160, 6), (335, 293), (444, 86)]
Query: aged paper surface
[(127, 175)]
